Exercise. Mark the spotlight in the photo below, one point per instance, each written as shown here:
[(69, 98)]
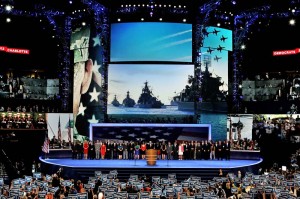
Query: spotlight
[(8, 20), (292, 22), (233, 2), (8, 7)]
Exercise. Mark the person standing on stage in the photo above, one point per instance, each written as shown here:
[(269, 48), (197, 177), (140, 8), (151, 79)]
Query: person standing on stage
[(169, 151), (212, 151), (207, 150), (103, 150), (74, 150), (115, 150), (79, 149), (109, 150), (85, 149), (150, 145), (180, 151), (175, 150), (143, 150), (185, 151), (158, 148), (137, 151), (219, 150), (227, 150), (198, 151), (125, 151), (131, 151), (163, 150), (120, 150), (91, 153), (192, 150), (97, 149)]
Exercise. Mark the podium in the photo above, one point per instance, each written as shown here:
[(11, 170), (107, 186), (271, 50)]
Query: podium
[(151, 156)]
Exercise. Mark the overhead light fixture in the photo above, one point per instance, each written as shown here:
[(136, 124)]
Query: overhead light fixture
[(292, 22), (8, 7)]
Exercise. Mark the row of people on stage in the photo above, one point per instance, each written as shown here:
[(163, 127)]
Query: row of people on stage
[(130, 150)]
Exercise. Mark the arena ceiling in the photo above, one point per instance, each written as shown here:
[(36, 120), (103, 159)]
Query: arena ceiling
[(266, 34)]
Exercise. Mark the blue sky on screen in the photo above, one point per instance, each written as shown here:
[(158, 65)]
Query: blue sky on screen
[(151, 41), (220, 67), (164, 80)]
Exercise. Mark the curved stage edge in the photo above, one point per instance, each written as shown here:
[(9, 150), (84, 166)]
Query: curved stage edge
[(206, 169)]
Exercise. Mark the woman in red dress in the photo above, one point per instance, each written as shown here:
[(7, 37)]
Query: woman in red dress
[(85, 149), (103, 150), (143, 150)]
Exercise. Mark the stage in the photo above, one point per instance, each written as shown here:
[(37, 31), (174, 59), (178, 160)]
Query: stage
[(206, 169), (142, 164)]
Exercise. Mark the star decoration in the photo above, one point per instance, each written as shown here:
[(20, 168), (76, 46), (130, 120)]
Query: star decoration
[(153, 136), (125, 130), (145, 133), (167, 134), (111, 133), (93, 120), (131, 135), (94, 95), (96, 41), (81, 109), (119, 136), (96, 66)]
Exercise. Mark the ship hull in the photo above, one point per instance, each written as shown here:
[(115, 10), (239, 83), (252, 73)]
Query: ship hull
[(218, 107), (150, 106)]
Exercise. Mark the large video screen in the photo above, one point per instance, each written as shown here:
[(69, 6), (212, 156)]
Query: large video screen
[(151, 41), (217, 42), (148, 89), (87, 79), (150, 132)]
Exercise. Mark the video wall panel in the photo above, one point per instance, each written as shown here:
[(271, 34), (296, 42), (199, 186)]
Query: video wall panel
[(151, 41), (152, 88)]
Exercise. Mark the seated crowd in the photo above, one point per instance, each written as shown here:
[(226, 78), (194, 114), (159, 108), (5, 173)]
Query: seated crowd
[(275, 183)]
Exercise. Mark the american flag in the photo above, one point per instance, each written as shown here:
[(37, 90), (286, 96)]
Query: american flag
[(59, 131), (45, 148), (69, 130), (92, 107)]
